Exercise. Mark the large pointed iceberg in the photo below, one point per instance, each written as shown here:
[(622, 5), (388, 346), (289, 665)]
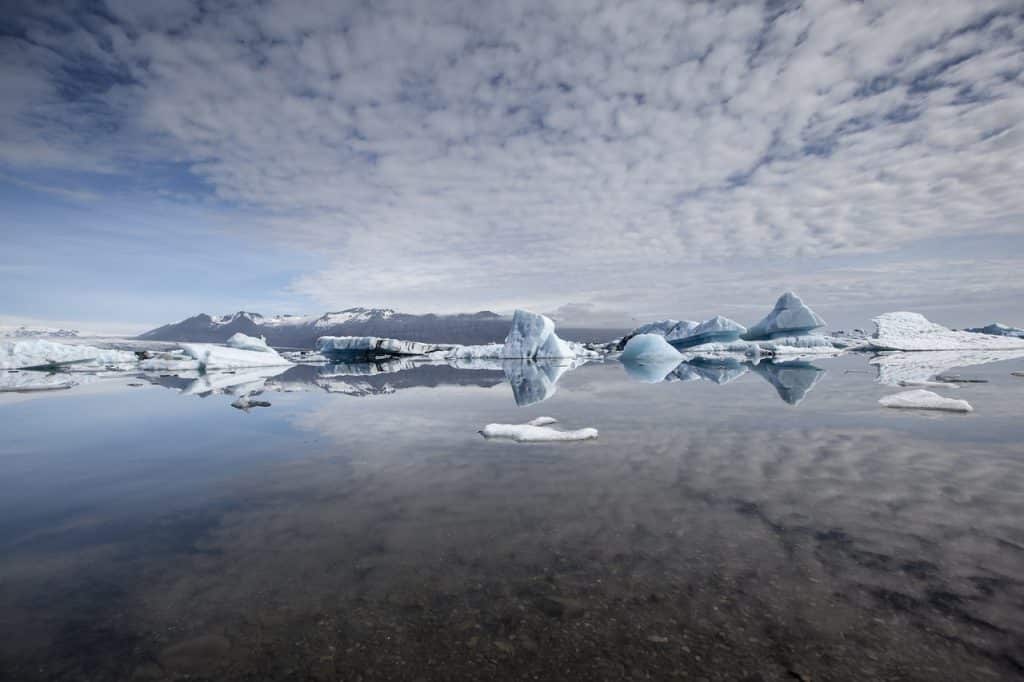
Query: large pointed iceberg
[(789, 317), (533, 337), (911, 331)]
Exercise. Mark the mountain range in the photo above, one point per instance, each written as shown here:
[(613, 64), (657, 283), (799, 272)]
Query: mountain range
[(297, 331)]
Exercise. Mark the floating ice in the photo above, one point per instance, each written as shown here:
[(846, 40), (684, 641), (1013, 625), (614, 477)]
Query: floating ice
[(210, 356), (538, 430), (36, 352), (911, 331), (789, 317), (649, 349), (997, 329), (244, 342), (533, 337), (919, 399), (32, 382), (372, 346), (716, 330)]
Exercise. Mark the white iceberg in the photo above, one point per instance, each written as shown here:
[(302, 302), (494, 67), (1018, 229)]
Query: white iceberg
[(911, 331), (538, 430), (533, 337), (997, 329), (716, 330), (919, 399), (789, 317), (210, 356), (38, 352), (32, 382), (244, 342), (372, 346)]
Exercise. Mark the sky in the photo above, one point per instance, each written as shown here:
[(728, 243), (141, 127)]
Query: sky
[(608, 162)]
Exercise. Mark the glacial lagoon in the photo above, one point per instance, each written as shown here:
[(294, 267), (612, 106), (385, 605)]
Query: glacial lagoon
[(731, 522)]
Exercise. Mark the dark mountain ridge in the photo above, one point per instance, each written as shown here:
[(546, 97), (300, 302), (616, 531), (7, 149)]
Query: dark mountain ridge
[(294, 331)]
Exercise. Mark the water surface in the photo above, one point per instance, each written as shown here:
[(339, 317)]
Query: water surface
[(768, 523)]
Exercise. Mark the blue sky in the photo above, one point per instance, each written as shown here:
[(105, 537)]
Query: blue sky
[(608, 161)]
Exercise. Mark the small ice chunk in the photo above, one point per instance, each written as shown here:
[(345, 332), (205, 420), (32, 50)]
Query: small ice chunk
[(649, 349), (921, 399), (536, 431)]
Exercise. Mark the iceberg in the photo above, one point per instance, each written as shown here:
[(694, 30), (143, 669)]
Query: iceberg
[(789, 317), (997, 329), (716, 330), (32, 382), (649, 349), (792, 380), (538, 430), (363, 347), (210, 356), (919, 399), (243, 342), (38, 352), (911, 331), (533, 337)]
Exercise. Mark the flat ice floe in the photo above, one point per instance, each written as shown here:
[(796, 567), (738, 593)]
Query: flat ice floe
[(911, 331), (35, 352), (920, 399), (537, 430)]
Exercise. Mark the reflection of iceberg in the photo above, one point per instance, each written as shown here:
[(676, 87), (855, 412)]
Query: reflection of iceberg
[(792, 380), (717, 371), (533, 382), (233, 383), (908, 369), (651, 371)]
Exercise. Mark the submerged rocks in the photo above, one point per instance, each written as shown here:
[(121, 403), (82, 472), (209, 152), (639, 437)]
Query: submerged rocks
[(789, 317)]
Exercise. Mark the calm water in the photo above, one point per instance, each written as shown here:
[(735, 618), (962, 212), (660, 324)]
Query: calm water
[(777, 526)]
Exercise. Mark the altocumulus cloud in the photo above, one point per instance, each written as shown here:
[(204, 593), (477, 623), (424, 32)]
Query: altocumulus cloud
[(453, 154)]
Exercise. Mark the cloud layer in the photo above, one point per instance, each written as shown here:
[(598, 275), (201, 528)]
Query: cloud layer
[(463, 154)]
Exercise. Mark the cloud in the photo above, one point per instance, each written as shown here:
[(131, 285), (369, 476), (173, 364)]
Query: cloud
[(457, 154)]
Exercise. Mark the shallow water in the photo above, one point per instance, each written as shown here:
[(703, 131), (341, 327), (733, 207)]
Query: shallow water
[(361, 528)]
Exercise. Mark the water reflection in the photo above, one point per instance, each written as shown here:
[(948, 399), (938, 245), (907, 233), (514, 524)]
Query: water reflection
[(792, 379)]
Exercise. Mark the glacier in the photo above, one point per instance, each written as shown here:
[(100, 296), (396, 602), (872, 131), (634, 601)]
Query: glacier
[(789, 317), (914, 332)]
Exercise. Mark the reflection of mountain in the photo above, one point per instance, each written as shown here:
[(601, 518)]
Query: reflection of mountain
[(895, 369), (533, 382), (792, 380)]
